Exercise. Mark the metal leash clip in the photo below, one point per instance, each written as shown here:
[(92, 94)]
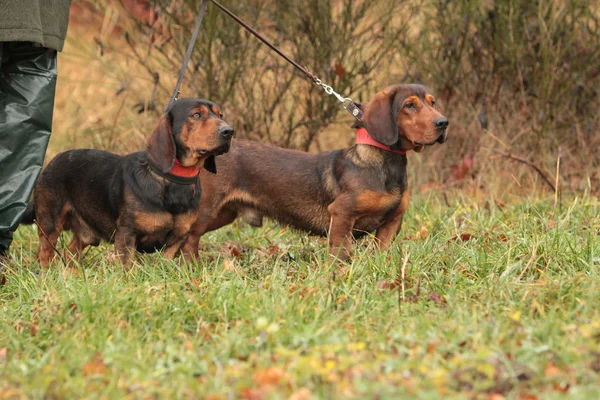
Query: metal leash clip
[(347, 102)]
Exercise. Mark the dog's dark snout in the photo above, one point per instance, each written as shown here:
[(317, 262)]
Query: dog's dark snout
[(226, 131), (441, 122)]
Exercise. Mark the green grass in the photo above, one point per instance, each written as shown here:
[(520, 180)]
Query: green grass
[(511, 310)]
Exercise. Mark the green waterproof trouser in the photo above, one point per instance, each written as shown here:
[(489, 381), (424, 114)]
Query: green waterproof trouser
[(27, 87)]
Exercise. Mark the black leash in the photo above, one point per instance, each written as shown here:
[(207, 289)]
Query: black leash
[(347, 102), (188, 55)]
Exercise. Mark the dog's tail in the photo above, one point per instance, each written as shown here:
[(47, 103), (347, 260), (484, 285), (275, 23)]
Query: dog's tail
[(29, 215)]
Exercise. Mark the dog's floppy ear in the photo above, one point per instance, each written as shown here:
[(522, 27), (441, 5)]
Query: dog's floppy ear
[(161, 145), (210, 165), (379, 119)]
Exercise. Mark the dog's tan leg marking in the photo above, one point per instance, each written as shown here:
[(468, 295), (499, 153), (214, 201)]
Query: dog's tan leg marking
[(386, 232)]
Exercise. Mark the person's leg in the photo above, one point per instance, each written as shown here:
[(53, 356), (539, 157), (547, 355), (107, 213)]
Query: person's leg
[(27, 87)]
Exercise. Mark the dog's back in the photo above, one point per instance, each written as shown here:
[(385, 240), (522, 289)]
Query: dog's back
[(79, 183), (267, 186)]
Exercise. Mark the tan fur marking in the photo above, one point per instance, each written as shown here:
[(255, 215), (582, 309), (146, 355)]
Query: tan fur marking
[(386, 232), (150, 222), (368, 156), (239, 195), (183, 223), (372, 202), (415, 100), (429, 99)]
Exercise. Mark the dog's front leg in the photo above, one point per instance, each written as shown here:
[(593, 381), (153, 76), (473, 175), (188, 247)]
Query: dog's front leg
[(178, 238), (125, 242), (340, 229), (174, 244), (385, 233)]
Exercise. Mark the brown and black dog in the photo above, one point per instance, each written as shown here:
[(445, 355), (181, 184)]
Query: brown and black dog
[(342, 193), (145, 200)]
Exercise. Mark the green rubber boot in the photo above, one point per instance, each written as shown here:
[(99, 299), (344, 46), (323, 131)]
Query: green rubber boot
[(27, 87)]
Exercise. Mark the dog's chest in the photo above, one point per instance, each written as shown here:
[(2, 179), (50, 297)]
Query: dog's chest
[(154, 228), (375, 208)]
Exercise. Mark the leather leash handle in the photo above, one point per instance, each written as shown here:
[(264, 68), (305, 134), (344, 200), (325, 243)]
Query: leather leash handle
[(188, 55)]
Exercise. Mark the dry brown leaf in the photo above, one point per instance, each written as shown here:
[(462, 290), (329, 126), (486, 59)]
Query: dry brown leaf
[(301, 394), (231, 250), (34, 328), (252, 394), (270, 376), (495, 396), (3, 354), (562, 387), (552, 370), (391, 285), (95, 366), (462, 237), (436, 298), (527, 396), (423, 232)]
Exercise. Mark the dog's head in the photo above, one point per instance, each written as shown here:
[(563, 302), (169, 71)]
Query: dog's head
[(405, 117), (191, 131)]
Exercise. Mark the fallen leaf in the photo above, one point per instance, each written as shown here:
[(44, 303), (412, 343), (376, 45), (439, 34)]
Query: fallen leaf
[(189, 345), (391, 285), (95, 366), (552, 370), (251, 394), (270, 376), (301, 394), (3, 354), (462, 237), (436, 298), (561, 387), (495, 396), (515, 316), (423, 232), (231, 250), (527, 396)]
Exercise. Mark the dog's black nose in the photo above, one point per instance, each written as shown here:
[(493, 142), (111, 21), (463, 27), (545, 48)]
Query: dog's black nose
[(226, 131), (441, 122)]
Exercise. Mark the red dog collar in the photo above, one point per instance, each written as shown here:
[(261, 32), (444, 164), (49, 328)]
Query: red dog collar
[(363, 137), (178, 173), (184, 172)]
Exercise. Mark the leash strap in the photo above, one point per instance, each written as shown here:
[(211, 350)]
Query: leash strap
[(347, 102), (188, 55)]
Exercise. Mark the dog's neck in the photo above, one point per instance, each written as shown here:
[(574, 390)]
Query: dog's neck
[(363, 137), (178, 173)]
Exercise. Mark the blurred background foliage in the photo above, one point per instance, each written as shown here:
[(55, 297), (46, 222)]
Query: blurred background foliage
[(515, 77)]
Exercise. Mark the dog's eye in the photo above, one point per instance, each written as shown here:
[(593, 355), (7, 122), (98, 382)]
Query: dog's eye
[(220, 115), (432, 103), (197, 115), (409, 105)]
